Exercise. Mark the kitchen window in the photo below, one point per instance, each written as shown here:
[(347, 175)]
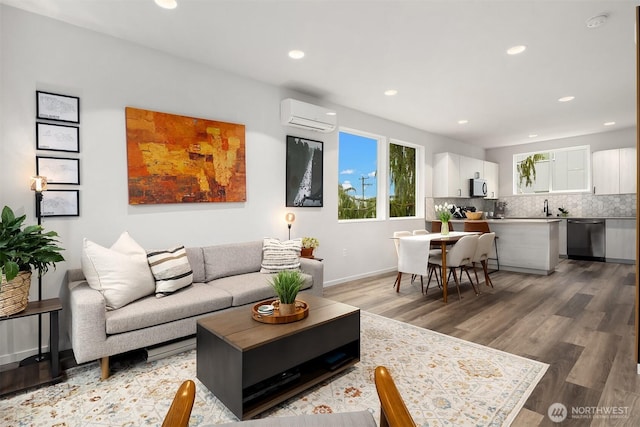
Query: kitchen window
[(552, 171)]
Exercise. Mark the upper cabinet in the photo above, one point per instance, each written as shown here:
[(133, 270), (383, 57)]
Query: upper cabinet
[(614, 171), (491, 175), (451, 174)]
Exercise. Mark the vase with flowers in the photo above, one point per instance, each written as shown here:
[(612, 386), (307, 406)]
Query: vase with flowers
[(443, 212)]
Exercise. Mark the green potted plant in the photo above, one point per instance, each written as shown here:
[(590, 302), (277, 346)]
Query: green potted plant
[(287, 284), (22, 249), (308, 245)]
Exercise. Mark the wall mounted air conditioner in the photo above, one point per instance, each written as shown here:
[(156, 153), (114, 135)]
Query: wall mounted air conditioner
[(307, 116)]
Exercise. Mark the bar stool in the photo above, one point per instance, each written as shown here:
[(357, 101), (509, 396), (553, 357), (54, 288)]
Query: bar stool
[(483, 227)]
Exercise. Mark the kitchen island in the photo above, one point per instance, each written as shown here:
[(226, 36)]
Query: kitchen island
[(524, 245)]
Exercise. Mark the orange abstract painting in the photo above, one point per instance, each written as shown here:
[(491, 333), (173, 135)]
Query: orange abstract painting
[(177, 159)]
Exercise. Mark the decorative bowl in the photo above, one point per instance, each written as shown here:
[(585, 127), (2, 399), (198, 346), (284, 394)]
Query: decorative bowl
[(474, 215)]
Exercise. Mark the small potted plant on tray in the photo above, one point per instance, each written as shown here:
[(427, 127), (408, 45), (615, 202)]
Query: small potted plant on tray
[(287, 284), (21, 250), (308, 245)]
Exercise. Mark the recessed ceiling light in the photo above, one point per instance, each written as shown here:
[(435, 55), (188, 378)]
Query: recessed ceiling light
[(463, 122), (609, 123), (167, 4), (296, 54), (514, 50), (597, 21), (390, 92), (331, 113), (566, 98), (533, 135)]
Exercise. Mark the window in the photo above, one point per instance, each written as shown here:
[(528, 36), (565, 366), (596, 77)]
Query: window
[(358, 175), (402, 180), (552, 171)]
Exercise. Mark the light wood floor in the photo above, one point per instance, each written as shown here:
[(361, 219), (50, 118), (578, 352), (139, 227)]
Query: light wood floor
[(579, 320)]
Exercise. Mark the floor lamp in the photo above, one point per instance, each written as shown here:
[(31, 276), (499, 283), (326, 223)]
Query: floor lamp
[(38, 185), (289, 217)]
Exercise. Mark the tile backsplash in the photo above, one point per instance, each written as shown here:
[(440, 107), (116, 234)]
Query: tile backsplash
[(578, 205)]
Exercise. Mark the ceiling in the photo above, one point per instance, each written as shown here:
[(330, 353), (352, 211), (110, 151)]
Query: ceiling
[(446, 58)]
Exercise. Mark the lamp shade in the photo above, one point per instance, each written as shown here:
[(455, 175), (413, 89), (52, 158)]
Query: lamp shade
[(38, 183), (290, 217)]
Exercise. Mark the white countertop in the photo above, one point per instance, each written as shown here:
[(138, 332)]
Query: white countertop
[(512, 220)]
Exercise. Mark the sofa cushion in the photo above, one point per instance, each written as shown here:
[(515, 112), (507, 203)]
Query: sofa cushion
[(193, 300), (121, 273), (251, 287), (231, 259), (278, 255), (171, 269), (196, 260)]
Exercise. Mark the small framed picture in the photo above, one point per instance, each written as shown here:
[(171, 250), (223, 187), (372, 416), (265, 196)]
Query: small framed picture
[(61, 203), (63, 108), (57, 137), (58, 170), (304, 172)]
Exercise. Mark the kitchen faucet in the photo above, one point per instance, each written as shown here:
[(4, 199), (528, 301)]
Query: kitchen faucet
[(546, 208)]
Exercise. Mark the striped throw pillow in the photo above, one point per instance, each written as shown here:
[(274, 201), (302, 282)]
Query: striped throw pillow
[(171, 269), (279, 256)]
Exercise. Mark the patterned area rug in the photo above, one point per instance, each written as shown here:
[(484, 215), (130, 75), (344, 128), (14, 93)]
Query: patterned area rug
[(445, 381)]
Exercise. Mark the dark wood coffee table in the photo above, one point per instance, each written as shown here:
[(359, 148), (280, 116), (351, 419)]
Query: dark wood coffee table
[(252, 366)]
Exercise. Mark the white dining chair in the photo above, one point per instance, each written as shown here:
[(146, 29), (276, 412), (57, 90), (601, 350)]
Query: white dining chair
[(483, 249), (396, 242), (458, 257), (420, 232)]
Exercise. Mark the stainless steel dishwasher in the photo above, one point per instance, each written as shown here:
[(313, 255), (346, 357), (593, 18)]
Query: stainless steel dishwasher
[(586, 239)]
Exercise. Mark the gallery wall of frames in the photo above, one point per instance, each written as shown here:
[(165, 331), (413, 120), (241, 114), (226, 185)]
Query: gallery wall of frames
[(57, 155)]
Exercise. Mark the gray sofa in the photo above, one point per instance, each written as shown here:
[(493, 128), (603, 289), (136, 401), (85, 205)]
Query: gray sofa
[(224, 276)]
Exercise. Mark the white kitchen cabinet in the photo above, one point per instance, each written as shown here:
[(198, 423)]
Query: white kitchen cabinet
[(491, 171), (451, 174), (562, 238), (614, 171), (620, 240), (628, 170)]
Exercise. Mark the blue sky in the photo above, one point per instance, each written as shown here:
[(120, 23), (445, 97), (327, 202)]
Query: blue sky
[(357, 158)]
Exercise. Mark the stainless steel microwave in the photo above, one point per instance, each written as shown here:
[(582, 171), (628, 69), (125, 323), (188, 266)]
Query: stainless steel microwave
[(477, 187)]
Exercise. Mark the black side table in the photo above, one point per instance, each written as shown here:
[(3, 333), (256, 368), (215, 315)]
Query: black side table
[(36, 374)]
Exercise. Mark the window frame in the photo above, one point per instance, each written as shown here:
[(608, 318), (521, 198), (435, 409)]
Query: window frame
[(552, 152), (381, 173), (419, 176), (382, 176)]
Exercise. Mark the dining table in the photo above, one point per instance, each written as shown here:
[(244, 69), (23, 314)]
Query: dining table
[(413, 254)]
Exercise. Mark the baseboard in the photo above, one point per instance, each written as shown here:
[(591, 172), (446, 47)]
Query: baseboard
[(21, 355), (359, 276)]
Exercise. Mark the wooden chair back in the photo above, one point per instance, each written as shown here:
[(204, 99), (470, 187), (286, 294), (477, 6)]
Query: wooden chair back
[(393, 411), (180, 409), (481, 226)]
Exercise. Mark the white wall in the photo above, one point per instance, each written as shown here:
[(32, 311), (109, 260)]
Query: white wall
[(600, 141), (108, 74)]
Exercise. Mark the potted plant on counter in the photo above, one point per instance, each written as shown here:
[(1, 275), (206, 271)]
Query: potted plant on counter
[(286, 285), (308, 245), (21, 251)]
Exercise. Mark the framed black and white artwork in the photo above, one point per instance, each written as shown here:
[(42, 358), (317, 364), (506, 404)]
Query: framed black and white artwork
[(61, 203), (57, 137), (304, 172), (58, 170), (52, 106)]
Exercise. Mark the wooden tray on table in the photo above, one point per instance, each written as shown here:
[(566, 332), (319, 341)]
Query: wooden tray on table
[(302, 311)]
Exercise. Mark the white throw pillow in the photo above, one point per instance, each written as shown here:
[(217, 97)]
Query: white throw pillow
[(171, 270), (278, 256), (121, 273)]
